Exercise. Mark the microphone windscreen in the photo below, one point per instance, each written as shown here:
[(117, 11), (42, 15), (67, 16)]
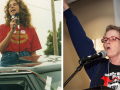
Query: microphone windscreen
[(16, 14), (12, 17), (104, 53)]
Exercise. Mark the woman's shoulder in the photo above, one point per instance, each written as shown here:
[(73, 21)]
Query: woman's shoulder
[(30, 28), (2, 26)]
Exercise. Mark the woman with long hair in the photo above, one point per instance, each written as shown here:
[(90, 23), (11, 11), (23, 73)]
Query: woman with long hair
[(17, 42)]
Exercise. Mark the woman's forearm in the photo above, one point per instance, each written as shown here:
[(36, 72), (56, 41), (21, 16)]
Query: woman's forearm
[(33, 53), (5, 42), (65, 5)]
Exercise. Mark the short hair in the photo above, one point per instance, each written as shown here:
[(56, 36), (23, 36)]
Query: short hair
[(111, 27)]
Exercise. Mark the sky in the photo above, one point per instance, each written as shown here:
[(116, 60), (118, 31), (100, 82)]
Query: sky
[(41, 17)]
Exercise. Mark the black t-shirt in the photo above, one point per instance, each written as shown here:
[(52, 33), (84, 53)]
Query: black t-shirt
[(111, 78)]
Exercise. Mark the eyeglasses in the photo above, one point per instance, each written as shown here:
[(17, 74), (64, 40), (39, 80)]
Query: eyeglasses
[(113, 38)]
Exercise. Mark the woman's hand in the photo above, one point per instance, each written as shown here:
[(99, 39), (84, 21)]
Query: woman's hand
[(65, 5), (33, 53), (5, 42), (13, 23)]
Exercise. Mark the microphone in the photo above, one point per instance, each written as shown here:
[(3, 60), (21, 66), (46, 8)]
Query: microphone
[(17, 15), (13, 18), (101, 54)]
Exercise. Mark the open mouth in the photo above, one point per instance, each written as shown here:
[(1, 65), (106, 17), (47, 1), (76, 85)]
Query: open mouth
[(108, 48), (13, 10)]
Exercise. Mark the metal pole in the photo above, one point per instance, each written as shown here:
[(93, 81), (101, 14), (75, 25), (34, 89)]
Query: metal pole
[(55, 45)]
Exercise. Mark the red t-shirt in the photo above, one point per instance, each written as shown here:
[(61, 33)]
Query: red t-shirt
[(28, 39)]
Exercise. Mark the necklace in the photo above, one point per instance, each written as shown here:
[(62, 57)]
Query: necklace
[(108, 71)]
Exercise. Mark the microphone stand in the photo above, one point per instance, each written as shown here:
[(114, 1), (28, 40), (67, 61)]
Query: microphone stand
[(77, 70), (19, 37), (19, 43), (18, 24)]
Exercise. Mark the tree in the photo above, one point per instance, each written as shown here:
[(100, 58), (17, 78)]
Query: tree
[(59, 38), (49, 43)]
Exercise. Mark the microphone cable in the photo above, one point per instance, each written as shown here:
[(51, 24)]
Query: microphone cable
[(19, 43), (17, 15)]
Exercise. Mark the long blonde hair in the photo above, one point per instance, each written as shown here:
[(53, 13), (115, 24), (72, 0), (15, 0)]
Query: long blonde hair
[(24, 14)]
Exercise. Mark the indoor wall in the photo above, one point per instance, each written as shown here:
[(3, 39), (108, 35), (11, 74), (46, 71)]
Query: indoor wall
[(94, 15)]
